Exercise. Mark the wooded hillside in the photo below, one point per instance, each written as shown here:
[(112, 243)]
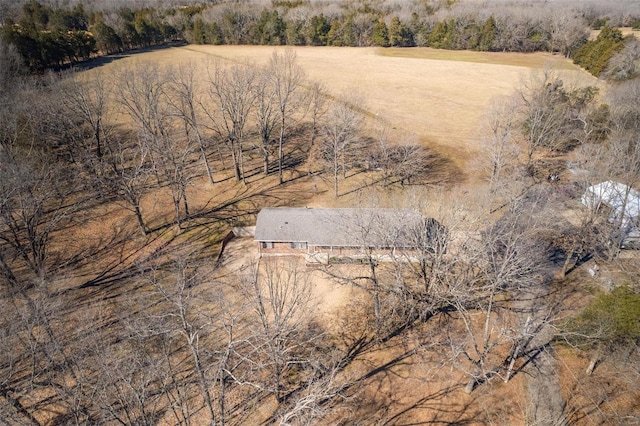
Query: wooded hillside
[(49, 36)]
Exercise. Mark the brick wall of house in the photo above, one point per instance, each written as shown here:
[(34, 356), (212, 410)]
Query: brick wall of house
[(281, 248)]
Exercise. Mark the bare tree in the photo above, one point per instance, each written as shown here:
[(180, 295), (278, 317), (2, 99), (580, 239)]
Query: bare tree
[(566, 32), (127, 175), (88, 96), (288, 76), (624, 64), (340, 131), (185, 318), (499, 129), (506, 261), (399, 162), (281, 300), (317, 107), (32, 207), (186, 103), (141, 91), (543, 112), (231, 90), (266, 111), (144, 94)]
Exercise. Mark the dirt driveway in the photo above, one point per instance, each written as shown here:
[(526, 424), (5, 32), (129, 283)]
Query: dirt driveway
[(328, 295)]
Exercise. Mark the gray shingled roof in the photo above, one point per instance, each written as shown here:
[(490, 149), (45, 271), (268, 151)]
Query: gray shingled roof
[(338, 227)]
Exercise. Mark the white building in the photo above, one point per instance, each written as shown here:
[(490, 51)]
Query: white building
[(622, 204)]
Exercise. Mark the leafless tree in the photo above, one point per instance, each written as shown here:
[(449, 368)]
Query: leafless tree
[(317, 107), (566, 32), (266, 111), (88, 96), (398, 162), (499, 128), (505, 260), (288, 76), (11, 68), (311, 403), (141, 91), (186, 100), (144, 93), (32, 207), (340, 131), (543, 112), (183, 318), (127, 175), (624, 64), (231, 90), (281, 299)]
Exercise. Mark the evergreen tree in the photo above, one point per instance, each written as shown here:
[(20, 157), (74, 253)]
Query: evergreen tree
[(438, 36), (488, 34), (294, 33), (198, 32), (317, 31), (399, 34), (594, 55), (271, 28), (107, 40), (380, 35)]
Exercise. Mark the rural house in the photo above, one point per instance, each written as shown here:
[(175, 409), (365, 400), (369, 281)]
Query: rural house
[(322, 234), (623, 208)]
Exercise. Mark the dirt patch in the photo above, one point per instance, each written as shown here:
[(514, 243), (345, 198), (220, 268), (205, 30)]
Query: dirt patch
[(328, 295)]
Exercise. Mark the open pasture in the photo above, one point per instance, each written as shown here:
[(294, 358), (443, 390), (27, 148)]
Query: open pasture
[(436, 97)]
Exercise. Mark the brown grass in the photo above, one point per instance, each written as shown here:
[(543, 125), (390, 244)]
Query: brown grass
[(436, 97)]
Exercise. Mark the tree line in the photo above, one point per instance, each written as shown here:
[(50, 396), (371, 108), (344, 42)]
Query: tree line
[(48, 36)]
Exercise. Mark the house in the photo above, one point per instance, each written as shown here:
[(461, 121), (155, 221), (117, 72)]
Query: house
[(623, 208), (323, 234)]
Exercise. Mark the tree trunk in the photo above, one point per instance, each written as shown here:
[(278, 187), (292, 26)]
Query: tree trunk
[(266, 163), (143, 228), (186, 205), (280, 155), (471, 384), (593, 363), (236, 165), (516, 352), (206, 164), (176, 206), (203, 382)]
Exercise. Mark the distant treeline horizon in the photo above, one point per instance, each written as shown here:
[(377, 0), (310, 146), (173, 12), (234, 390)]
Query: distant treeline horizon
[(52, 33)]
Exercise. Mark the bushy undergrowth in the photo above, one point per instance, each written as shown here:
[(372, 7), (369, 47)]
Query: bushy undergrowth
[(609, 319)]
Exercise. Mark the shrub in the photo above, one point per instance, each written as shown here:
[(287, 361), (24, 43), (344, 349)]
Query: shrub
[(611, 318)]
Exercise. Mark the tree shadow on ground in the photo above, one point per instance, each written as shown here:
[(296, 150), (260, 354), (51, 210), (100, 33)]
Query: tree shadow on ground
[(438, 170)]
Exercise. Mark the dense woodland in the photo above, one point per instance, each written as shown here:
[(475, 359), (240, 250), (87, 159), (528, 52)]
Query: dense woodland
[(49, 35), (130, 321)]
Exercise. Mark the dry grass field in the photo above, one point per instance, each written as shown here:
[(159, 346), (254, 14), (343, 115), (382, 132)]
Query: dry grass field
[(434, 96)]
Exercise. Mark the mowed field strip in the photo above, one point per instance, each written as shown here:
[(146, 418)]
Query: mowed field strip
[(437, 97)]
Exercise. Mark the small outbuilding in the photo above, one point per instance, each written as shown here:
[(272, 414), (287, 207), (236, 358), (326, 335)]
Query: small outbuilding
[(622, 205), (323, 234)]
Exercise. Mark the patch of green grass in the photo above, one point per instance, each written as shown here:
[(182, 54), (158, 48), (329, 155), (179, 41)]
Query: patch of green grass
[(529, 60)]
